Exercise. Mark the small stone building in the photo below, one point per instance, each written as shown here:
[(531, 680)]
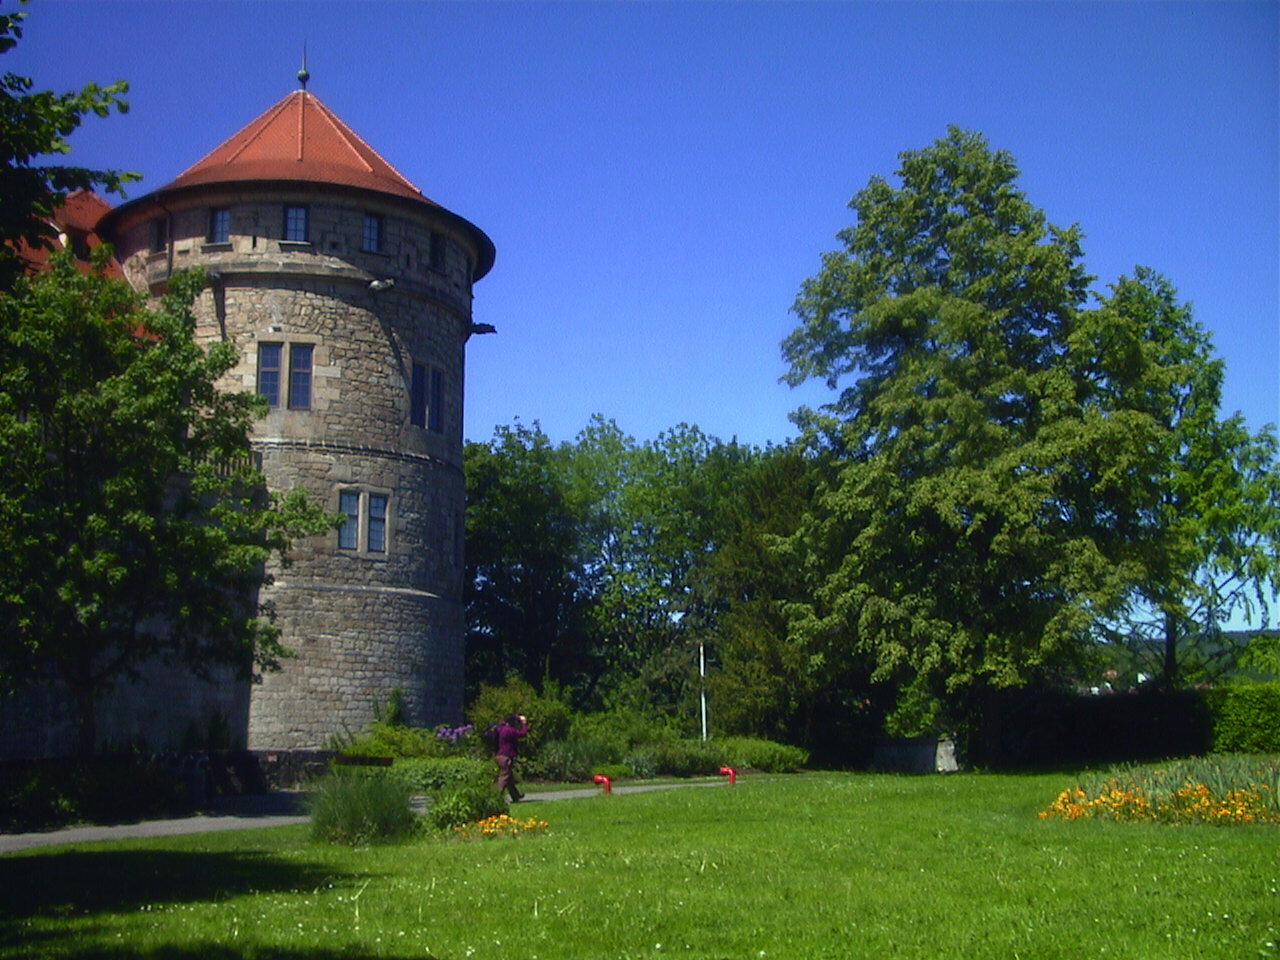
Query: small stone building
[(348, 294)]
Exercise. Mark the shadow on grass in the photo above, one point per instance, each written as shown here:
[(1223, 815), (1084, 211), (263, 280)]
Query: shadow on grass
[(217, 951), (84, 884)]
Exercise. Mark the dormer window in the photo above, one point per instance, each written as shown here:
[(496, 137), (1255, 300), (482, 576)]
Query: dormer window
[(295, 224), (219, 225), (371, 234)]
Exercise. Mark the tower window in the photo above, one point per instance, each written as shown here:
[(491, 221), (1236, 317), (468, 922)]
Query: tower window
[(365, 521), (269, 372), (418, 396), (271, 382), (426, 398), (159, 234), (371, 234), (437, 250), (220, 225), (349, 532), (300, 355), (376, 532), (435, 412), (295, 224)]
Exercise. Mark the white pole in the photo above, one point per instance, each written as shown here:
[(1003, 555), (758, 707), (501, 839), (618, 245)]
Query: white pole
[(702, 672)]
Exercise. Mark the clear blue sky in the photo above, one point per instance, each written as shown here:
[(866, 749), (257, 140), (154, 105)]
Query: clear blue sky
[(659, 178)]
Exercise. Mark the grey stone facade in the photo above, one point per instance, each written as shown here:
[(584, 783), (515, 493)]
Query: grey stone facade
[(379, 608)]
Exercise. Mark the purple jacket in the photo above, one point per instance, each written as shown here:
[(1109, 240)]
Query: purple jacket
[(508, 739)]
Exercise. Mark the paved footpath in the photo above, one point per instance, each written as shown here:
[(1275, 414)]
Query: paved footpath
[(253, 812)]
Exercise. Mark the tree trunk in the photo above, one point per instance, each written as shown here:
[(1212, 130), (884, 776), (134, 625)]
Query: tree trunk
[(1170, 651)]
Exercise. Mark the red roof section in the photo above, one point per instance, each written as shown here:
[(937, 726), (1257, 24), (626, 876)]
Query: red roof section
[(75, 223), (299, 138)]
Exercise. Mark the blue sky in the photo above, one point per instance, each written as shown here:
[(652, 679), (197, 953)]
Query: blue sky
[(659, 178)]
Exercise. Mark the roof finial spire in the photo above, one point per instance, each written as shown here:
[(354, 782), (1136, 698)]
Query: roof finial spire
[(304, 75)]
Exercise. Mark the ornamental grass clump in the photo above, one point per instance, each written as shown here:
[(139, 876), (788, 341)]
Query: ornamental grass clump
[(1218, 790), (357, 807), (502, 825)]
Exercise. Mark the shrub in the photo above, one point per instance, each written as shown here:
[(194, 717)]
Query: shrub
[(465, 804), (549, 715), (359, 806), (749, 753), (52, 793), (385, 739), (624, 730), (1246, 718), (569, 759), (643, 762), (435, 775), (685, 758)]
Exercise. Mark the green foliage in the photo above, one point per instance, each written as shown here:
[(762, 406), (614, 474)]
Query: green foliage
[(141, 524), (569, 760), (523, 590), (764, 756), (548, 714), (465, 804), (436, 775), (685, 758), (583, 560), (618, 730), (358, 806), (44, 794), (1246, 717), (384, 739), (1010, 470), (458, 789), (35, 125)]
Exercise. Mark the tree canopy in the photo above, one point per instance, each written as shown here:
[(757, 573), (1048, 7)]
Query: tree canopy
[(1003, 447), (139, 524)]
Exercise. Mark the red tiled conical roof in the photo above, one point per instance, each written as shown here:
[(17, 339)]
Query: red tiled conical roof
[(299, 138)]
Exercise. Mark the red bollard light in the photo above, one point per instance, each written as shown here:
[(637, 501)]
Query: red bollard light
[(604, 781), (731, 773)]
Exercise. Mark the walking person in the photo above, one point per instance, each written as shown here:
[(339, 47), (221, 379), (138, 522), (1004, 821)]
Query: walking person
[(510, 731)]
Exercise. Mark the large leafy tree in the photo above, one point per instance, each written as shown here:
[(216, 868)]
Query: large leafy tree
[(138, 526), (1205, 526), (34, 125), (524, 587), (966, 540)]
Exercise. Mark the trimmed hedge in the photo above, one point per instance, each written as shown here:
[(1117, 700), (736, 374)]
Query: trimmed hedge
[(1246, 718)]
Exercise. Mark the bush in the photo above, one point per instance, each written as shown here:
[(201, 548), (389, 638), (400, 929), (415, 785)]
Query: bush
[(436, 775), (567, 760), (686, 758), (1246, 718), (359, 806), (549, 716), (465, 804), (52, 793), (749, 753)]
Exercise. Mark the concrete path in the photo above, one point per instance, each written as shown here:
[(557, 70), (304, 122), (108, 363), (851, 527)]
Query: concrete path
[(267, 810)]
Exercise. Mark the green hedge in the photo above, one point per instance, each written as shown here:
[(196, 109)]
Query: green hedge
[(1246, 718), (766, 756), (436, 775)]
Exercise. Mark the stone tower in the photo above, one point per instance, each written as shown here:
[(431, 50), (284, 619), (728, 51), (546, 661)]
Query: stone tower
[(348, 295)]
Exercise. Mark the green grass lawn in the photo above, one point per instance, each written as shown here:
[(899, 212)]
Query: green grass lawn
[(811, 866)]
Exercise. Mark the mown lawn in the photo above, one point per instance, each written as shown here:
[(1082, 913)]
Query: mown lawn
[(811, 866)]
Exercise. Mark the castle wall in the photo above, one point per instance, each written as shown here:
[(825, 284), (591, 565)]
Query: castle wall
[(363, 617)]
